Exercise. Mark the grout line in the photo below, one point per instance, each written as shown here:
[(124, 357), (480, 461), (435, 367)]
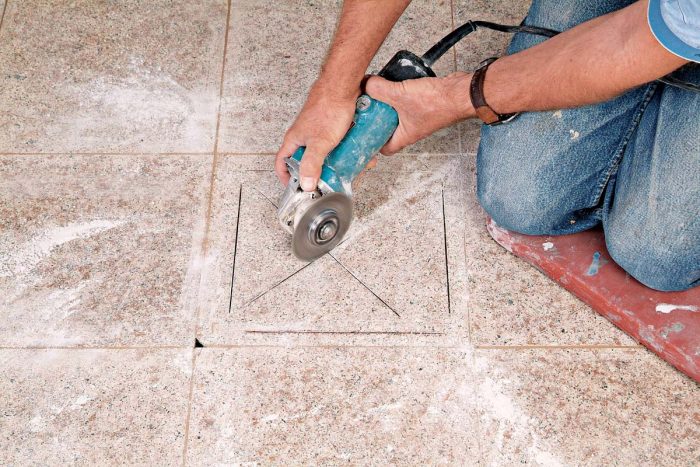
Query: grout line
[(364, 285), (94, 347), (359, 333), (188, 415), (77, 153), (214, 164), (207, 227), (447, 267), (4, 9), (556, 347), (327, 346), (467, 275), (235, 247)]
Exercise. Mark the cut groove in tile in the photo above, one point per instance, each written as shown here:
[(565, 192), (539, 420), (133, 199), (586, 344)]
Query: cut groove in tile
[(112, 77), (389, 275), (582, 407), (100, 251), (332, 405), (275, 52), (93, 407)]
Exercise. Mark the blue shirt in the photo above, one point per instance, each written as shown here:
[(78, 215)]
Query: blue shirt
[(676, 25)]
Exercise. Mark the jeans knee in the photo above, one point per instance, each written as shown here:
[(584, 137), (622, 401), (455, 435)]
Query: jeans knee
[(517, 202), (663, 266)]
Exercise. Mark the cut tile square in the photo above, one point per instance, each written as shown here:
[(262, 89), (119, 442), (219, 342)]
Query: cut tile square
[(582, 407), (110, 77), (274, 54), (332, 405), (100, 250), (483, 44), (93, 407), (512, 303), (388, 276)]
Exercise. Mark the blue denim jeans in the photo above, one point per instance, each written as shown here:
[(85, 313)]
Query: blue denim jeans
[(631, 163)]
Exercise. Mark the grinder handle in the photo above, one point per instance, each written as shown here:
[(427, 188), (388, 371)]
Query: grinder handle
[(373, 125)]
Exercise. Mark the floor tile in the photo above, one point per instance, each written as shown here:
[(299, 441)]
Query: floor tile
[(389, 274), (131, 77), (93, 407), (274, 55), (483, 44), (511, 303), (100, 250), (578, 407), (332, 405)]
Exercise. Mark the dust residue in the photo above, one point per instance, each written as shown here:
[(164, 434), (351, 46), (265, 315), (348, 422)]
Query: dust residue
[(514, 425), (147, 107), (668, 308)]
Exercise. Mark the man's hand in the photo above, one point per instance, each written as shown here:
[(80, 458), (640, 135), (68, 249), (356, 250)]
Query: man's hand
[(321, 124), (327, 114), (424, 105)]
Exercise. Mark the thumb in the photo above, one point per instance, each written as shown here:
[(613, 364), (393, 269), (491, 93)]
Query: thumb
[(382, 89), (311, 164)]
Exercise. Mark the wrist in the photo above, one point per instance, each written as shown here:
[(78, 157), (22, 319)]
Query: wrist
[(335, 88), (458, 97)]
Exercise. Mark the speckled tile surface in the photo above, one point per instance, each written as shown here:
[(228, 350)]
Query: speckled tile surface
[(274, 55), (483, 44), (93, 407), (418, 341), (116, 77), (397, 238), (100, 250), (331, 406), (511, 303), (582, 407)]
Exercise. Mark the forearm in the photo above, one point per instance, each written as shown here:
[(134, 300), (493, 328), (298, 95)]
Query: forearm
[(590, 63), (363, 26)]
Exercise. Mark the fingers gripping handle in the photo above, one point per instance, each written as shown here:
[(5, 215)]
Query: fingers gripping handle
[(373, 124)]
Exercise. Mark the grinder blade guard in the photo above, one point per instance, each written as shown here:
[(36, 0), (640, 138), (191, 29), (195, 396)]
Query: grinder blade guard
[(318, 220)]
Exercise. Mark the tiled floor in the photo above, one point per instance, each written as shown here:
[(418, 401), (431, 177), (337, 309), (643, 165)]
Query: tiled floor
[(137, 213)]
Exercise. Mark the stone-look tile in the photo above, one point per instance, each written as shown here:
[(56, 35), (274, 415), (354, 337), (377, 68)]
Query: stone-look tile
[(100, 250), (578, 407), (93, 407), (483, 44), (389, 275), (116, 77), (332, 405), (275, 51), (511, 303)]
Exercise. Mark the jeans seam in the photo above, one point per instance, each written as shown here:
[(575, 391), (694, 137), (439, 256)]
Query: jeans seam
[(620, 150)]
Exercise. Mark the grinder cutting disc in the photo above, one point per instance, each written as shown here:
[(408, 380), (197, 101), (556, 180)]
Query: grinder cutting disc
[(322, 226)]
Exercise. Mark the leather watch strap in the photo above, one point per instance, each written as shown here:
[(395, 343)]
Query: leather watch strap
[(476, 91)]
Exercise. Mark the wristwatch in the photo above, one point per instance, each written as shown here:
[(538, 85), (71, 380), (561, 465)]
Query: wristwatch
[(476, 92)]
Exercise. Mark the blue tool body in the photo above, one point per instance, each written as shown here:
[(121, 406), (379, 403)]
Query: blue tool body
[(373, 124)]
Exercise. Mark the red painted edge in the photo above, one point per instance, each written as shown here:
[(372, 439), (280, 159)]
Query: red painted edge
[(668, 323)]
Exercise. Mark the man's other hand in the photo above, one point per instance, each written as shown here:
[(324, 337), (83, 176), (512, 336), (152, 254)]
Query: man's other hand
[(424, 105), (321, 124)]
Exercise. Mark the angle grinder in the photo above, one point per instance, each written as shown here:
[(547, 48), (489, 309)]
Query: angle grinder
[(319, 220)]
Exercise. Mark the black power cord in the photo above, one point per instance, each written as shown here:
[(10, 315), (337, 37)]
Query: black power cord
[(447, 42)]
